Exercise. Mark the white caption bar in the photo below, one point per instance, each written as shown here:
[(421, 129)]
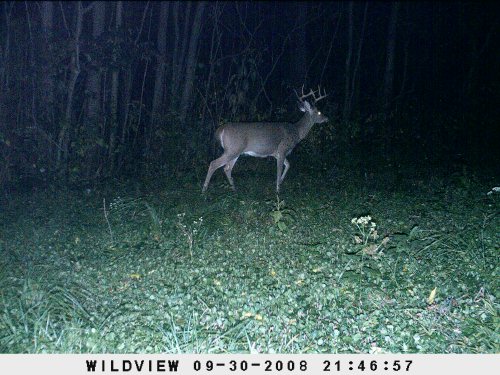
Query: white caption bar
[(252, 364)]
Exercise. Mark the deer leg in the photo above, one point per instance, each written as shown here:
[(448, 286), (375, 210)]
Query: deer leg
[(228, 168), (287, 166), (214, 165), (279, 165)]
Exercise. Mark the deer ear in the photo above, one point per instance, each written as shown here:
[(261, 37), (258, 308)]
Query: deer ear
[(307, 107)]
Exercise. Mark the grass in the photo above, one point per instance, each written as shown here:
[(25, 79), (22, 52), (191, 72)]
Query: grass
[(155, 266)]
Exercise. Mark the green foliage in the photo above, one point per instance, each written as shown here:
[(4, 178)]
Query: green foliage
[(246, 273), (282, 217), (191, 232)]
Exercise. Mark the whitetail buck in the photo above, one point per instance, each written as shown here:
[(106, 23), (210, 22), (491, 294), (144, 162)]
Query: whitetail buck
[(262, 139)]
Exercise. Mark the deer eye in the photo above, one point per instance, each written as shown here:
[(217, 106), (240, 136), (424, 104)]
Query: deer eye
[(319, 113)]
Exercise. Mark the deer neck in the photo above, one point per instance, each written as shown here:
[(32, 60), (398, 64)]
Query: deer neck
[(304, 125)]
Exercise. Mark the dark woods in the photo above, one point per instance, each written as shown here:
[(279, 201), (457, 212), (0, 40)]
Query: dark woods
[(90, 90)]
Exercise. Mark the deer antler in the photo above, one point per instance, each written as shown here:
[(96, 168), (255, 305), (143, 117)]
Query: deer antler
[(303, 96), (320, 96), (311, 93)]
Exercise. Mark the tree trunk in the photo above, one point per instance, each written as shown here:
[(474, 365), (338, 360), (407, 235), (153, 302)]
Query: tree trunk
[(299, 52), (161, 45), (114, 92), (63, 139), (389, 62), (175, 54), (126, 100), (406, 53), (190, 62), (93, 81), (355, 81), (346, 114), (209, 86), (388, 88), (4, 56), (47, 98), (179, 55), (93, 87)]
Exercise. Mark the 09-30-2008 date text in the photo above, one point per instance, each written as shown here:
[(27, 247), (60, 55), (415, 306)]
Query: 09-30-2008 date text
[(302, 365)]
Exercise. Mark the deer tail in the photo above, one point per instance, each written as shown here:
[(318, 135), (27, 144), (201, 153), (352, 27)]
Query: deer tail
[(219, 135)]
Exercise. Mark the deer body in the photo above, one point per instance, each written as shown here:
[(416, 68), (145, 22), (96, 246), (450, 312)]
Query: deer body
[(262, 139)]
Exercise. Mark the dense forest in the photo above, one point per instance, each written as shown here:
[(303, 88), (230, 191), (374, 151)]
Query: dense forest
[(96, 89)]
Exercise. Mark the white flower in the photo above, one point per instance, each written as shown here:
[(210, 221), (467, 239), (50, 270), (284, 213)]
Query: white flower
[(496, 189)]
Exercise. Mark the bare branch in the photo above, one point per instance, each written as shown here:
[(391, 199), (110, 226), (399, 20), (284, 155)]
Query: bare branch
[(64, 19), (142, 23)]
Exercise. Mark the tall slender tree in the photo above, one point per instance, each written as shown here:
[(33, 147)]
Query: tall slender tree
[(93, 84), (161, 56), (93, 114), (346, 113), (299, 50), (388, 89), (74, 72), (190, 61), (115, 76), (47, 97)]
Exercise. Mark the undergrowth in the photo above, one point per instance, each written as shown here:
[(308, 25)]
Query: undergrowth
[(345, 266)]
